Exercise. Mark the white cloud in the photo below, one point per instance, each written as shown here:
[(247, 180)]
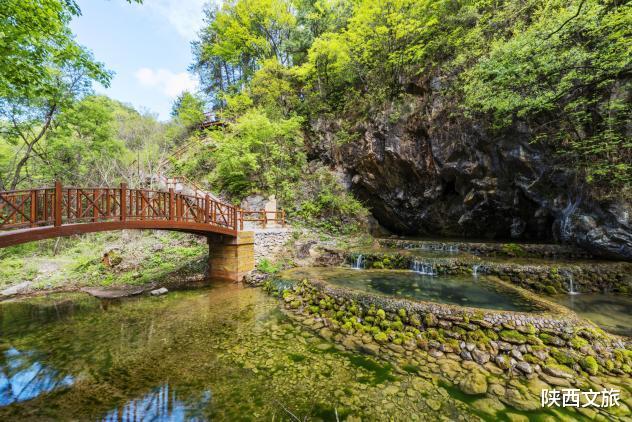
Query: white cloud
[(185, 16), (171, 84)]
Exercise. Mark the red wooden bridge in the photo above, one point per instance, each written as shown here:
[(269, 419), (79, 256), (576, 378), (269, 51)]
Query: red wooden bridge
[(35, 214)]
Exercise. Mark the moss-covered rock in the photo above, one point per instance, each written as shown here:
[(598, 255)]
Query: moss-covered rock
[(512, 336), (380, 337), (589, 364), (578, 342), (474, 383)]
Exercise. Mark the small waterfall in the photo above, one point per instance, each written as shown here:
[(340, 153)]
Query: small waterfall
[(475, 268), (423, 268), (571, 284), (358, 264)]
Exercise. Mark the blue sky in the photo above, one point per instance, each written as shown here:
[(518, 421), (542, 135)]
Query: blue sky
[(147, 46)]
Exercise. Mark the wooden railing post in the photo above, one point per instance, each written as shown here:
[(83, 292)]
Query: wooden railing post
[(172, 216), (33, 207), (123, 202), (95, 209), (235, 219), (265, 218), (207, 202), (58, 203), (241, 219), (283, 217)]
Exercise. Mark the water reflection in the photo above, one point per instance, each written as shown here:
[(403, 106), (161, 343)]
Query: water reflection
[(23, 378), (611, 312), (161, 404)]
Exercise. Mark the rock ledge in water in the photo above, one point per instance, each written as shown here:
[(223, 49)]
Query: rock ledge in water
[(103, 293), (159, 292)]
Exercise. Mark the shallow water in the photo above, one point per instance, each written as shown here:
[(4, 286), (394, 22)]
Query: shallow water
[(225, 353), (611, 312), (467, 290)]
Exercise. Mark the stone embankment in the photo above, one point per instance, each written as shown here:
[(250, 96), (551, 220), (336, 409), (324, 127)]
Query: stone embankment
[(542, 276), (269, 242), (509, 356), (510, 250)]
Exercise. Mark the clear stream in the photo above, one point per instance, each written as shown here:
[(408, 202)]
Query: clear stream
[(457, 290), (220, 353)]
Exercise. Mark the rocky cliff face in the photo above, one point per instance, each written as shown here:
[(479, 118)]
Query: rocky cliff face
[(433, 174)]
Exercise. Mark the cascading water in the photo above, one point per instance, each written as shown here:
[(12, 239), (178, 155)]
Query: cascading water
[(571, 284), (423, 268), (358, 264), (475, 270)]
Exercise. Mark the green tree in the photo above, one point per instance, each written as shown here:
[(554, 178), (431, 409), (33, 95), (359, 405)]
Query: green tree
[(259, 155), (42, 71)]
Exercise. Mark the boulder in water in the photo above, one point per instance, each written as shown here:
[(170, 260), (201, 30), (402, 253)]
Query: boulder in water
[(159, 292)]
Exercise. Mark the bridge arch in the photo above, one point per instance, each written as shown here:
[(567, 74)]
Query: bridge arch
[(44, 213)]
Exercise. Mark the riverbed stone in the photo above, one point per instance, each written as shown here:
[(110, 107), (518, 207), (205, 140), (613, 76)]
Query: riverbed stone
[(555, 381), (159, 292), (558, 371), (474, 383), (481, 357), (370, 348), (525, 367), (488, 405)]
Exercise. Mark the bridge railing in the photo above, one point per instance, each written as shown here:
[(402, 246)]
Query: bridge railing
[(262, 217), (73, 205)]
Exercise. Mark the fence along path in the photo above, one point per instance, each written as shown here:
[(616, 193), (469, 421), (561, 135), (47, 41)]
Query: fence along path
[(35, 214)]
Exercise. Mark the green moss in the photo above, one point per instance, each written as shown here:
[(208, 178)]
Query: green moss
[(512, 336), (478, 337), (563, 368), (381, 314), (491, 334), (430, 320), (529, 329), (295, 304), (397, 325), (530, 358), (512, 249), (578, 342), (414, 320), (609, 365), (533, 340), (380, 337), (590, 365), (378, 265), (314, 309), (550, 290), (562, 356), (402, 313)]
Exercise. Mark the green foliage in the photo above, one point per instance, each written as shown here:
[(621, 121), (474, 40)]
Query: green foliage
[(267, 267), (188, 109), (259, 154), (560, 67)]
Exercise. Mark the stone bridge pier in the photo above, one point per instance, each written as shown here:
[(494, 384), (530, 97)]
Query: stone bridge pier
[(231, 257)]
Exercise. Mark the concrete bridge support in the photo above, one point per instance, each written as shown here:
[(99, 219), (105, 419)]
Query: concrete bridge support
[(231, 257)]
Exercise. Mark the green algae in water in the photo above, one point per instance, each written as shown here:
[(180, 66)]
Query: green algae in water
[(212, 354), (380, 373), (296, 357)]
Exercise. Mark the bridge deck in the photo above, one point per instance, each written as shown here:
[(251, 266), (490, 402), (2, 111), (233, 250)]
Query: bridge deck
[(44, 213)]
